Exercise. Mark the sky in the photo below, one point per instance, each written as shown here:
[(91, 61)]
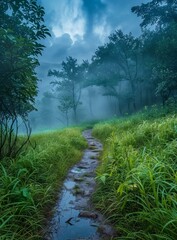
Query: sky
[(78, 27)]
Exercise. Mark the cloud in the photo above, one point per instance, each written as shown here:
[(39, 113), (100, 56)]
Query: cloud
[(119, 15), (65, 16), (78, 27), (94, 11)]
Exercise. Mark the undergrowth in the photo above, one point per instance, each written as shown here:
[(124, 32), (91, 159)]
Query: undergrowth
[(29, 184), (137, 178)]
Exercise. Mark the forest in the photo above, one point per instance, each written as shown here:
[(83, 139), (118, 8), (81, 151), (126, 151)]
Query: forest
[(125, 74), (126, 93)]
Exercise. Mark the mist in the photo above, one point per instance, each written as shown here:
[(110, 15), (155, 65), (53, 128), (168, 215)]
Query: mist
[(96, 21), (88, 93)]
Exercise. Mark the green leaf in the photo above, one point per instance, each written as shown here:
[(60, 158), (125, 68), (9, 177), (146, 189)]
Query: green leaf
[(26, 193)]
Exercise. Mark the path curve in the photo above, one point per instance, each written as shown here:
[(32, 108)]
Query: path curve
[(75, 217)]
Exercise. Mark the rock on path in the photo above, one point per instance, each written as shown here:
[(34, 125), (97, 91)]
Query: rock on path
[(75, 217)]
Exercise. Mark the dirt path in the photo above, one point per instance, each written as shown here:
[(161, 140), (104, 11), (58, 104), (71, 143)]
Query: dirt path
[(75, 217)]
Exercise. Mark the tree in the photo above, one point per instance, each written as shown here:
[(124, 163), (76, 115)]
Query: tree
[(104, 72), (68, 85), (84, 69), (161, 43), (126, 50), (22, 27), (166, 82), (160, 13), (116, 62), (65, 105)]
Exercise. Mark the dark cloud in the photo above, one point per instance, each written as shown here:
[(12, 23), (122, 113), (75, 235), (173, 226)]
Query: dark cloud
[(119, 15), (58, 50), (84, 49), (78, 27), (99, 16), (94, 11), (61, 46)]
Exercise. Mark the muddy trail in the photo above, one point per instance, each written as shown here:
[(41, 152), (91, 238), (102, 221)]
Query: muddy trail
[(75, 217)]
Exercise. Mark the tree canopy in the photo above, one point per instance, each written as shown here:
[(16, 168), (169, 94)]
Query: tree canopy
[(22, 28), (68, 86), (157, 12)]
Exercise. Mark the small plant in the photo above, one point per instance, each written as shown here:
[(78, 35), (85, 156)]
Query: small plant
[(28, 184), (137, 180)]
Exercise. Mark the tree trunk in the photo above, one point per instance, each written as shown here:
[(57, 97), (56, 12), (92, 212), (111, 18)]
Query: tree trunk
[(129, 111), (67, 119), (75, 114), (90, 103), (120, 108), (133, 96)]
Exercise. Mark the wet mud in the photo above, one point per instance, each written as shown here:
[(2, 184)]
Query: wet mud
[(75, 217)]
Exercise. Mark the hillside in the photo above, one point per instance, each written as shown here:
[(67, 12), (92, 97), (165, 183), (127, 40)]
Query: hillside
[(29, 184), (137, 177)]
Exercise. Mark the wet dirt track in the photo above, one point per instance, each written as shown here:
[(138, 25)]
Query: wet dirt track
[(75, 217)]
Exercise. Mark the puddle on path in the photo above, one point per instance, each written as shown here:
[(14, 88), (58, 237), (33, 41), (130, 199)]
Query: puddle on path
[(75, 218)]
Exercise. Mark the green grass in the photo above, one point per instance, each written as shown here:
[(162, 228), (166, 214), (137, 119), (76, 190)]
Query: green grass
[(137, 177), (29, 185)]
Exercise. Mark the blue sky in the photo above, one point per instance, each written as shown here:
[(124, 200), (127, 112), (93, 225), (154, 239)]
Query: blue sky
[(78, 27)]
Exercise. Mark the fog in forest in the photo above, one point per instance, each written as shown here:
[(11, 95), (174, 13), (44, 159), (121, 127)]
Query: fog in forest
[(79, 36), (103, 72)]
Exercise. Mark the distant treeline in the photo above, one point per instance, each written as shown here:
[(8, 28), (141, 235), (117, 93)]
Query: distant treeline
[(132, 71), (125, 74)]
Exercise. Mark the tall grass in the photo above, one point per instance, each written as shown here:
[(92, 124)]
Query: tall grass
[(137, 178), (29, 184)]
